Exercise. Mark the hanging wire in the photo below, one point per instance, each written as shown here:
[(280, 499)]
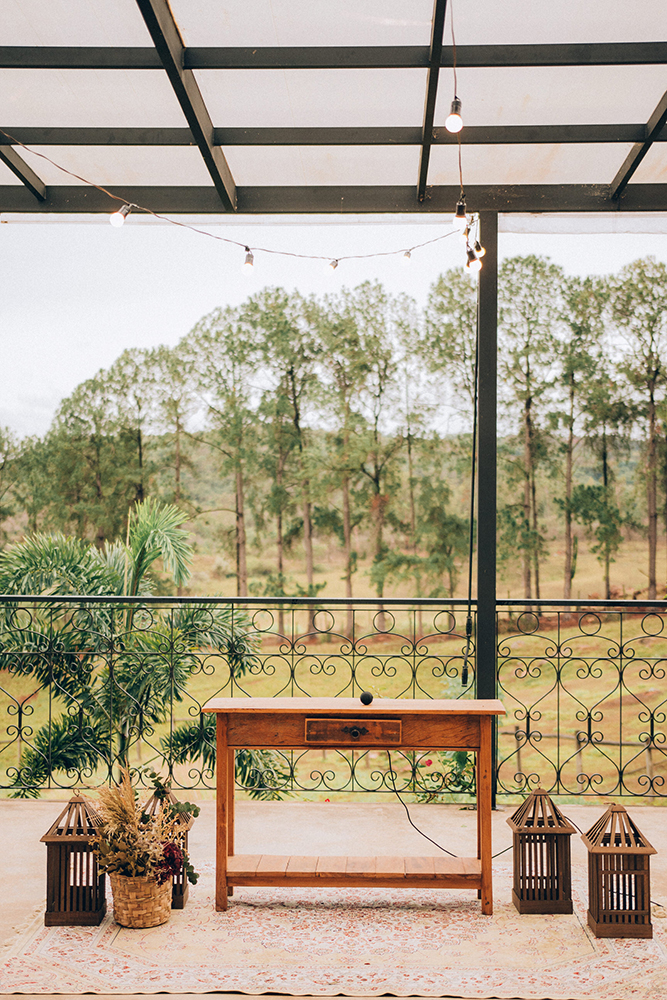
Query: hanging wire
[(204, 232)]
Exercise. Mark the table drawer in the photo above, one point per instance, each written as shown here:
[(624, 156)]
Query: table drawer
[(353, 732)]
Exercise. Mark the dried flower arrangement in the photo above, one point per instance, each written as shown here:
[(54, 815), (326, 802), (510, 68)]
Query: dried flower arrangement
[(133, 844)]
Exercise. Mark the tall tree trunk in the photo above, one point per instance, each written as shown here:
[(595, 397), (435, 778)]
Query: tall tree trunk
[(241, 561), (567, 581), (280, 549), (177, 468), (140, 455), (527, 456), (536, 548), (347, 544), (651, 497), (308, 539)]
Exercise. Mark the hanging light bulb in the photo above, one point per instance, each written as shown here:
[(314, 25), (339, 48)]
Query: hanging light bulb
[(464, 235), (460, 220), (118, 218), (479, 249), (473, 263), (249, 262), (454, 122), (407, 257), (331, 267)]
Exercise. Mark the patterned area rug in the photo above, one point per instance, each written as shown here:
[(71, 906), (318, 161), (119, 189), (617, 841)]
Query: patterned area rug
[(325, 942)]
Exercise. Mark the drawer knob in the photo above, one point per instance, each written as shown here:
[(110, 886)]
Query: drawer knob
[(355, 731)]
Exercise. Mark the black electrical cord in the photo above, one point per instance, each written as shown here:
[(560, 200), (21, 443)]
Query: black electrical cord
[(414, 825)]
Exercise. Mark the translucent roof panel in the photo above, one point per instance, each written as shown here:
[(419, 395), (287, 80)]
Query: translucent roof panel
[(72, 22), (543, 163), (303, 22), (7, 176), (490, 22), (84, 97), (121, 165), (553, 95), (323, 165), (326, 97), (653, 168)]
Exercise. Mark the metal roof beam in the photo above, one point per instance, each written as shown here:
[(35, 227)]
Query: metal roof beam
[(25, 174), (169, 46), (654, 127), (435, 55), (359, 199), (474, 135), (334, 57)]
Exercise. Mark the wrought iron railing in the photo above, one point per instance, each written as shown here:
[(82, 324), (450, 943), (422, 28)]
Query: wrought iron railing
[(86, 683), (586, 698)]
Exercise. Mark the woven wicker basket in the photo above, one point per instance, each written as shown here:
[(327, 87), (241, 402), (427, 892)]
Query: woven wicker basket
[(140, 901)]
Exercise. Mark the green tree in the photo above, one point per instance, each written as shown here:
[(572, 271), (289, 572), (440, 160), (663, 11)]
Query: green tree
[(450, 333), (92, 465), (346, 368), (579, 360), (530, 307), (291, 350), (222, 353), (639, 309)]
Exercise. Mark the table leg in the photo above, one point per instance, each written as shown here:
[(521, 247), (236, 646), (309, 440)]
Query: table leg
[(484, 768), (478, 815), (222, 813), (231, 787)]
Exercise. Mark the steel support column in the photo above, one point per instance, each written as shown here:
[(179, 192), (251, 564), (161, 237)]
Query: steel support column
[(487, 320)]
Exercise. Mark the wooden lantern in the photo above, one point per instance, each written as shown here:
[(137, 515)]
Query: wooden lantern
[(75, 890), (619, 883), (542, 866), (180, 886)]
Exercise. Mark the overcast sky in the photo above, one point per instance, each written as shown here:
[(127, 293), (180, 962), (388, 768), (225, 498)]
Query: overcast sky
[(75, 295)]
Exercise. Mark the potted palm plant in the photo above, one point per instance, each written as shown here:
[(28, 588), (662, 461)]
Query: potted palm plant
[(140, 853)]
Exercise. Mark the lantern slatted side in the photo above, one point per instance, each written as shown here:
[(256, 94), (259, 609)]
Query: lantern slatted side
[(180, 885), (542, 862), (619, 877), (75, 890)]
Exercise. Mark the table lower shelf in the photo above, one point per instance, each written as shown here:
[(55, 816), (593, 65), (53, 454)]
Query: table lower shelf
[(383, 872)]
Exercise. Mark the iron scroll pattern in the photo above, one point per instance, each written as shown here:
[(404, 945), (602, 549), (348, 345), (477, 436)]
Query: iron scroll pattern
[(586, 699), (86, 683)]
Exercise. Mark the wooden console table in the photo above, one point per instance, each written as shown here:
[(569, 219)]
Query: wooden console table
[(344, 723)]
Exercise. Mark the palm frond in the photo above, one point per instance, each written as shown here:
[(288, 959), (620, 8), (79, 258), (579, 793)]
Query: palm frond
[(155, 533)]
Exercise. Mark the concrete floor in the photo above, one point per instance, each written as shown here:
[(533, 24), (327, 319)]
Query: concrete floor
[(300, 828)]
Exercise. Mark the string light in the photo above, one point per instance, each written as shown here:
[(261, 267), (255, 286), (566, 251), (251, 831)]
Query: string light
[(479, 249), (118, 218), (454, 122), (460, 219), (473, 262)]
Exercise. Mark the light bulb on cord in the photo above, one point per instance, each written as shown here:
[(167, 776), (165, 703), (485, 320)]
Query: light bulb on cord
[(454, 122), (249, 261), (460, 220), (331, 267), (473, 262), (479, 249), (464, 234), (118, 218), (407, 257)]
